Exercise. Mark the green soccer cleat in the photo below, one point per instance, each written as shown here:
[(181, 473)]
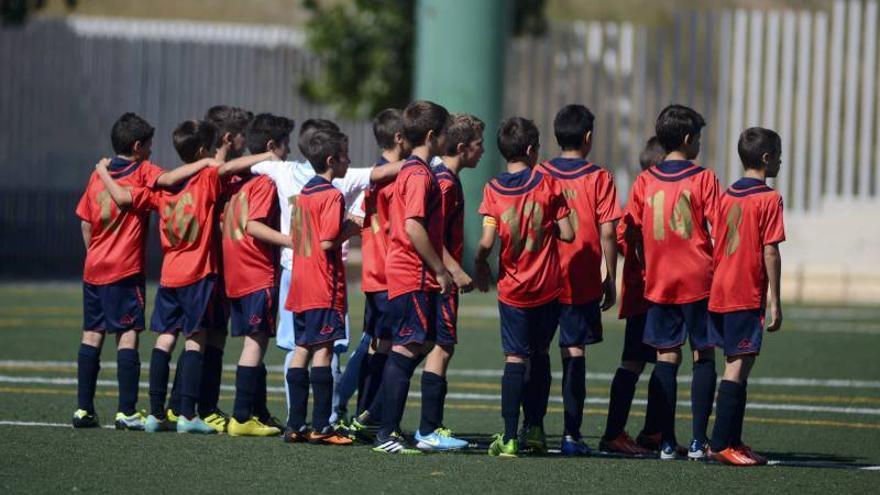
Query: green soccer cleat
[(364, 431), (171, 415), (134, 422), (251, 428), (195, 425), (85, 419), (534, 439), (500, 448), (156, 425)]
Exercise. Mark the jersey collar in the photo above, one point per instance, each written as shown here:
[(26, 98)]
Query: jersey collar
[(747, 186), (675, 170)]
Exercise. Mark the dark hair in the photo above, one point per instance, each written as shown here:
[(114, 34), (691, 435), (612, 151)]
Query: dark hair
[(754, 142), (129, 129), (192, 135), (652, 154), (229, 119), (463, 129), (571, 124), (420, 117), (267, 127), (674, 123), (515, 135), (309, 126), (386, 124), (323, 144)]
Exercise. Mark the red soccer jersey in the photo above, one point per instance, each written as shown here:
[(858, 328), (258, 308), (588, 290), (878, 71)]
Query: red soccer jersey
[(375, 236), (187, 228), (525, 205), (632, 287), (248, 263), (672, 204), (416, 195), (590, 193), (318, 277), (452, 206), (116, 248), (749, 218)]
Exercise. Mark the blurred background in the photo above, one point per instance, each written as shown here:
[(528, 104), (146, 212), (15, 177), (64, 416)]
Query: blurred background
[(808, 69)]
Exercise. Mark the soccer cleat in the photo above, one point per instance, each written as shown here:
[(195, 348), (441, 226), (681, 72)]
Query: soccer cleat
[(155, 425), (732, 457), (622, 444), (195, 425), (251, 428), (271, 421), (171, 415), (500, 448), (329, 436), (650, 441), (572, 447), (534, 439), (363, 429), (85, 419), (295, 436), (746, 450), (218, 420), (668, 451), (439, 440), (697, 450), (134, 422), (394, 444)]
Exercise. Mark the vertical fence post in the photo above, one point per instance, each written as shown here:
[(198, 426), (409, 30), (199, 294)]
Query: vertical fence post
[(803, 111), (869, 89), (786, 95), (835, 93), (819, 125), (853, 37)]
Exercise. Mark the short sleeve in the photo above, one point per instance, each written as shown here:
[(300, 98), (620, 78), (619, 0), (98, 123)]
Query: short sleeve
[(487, 205), (636, 204), (150, 173), (774, 230), (415, 194), (142, 199), (261, 199), (84, 207), (332, 211), (267, 168), (711, 194), (607, 207), (356, 181)]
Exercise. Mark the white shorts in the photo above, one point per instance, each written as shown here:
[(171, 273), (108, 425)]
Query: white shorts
[(284, 336)]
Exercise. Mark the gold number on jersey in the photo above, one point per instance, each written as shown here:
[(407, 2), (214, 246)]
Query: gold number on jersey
[(300, 228), (681, 222), (111, 219), (181, 224), (234, 226), (734, 220), (533, 213), (571, 194)]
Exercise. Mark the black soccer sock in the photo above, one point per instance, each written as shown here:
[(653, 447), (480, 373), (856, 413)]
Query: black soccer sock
[(363, 374), (88, 364), (159, 371), (322, 403), (729, 397), (261, 407), (174, 401), (737, 429), (667, 379), (432, 402), (574, 391), (398, 373), (128, 375), (623, 388), (298, 399), (372, 384), (190, 382), (702, 395), (537, 390), (246, 382), (652, 412), (512, 391), (209, 392)]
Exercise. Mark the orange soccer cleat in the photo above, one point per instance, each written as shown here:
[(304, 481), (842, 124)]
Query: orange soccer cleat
[(622, 444), (732, 457)]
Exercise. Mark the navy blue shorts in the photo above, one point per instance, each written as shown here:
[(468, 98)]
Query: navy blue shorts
[(189, 308), (114, 307), (254, 312), (740, 332), (318, 326), (413, 317), (447, 319), (667, 326), (633, 347), (377, 322), (580, 324), (525, 331)]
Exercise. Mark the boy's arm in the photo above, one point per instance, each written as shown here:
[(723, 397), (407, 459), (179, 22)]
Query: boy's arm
[(244, 163), (121, 196), (173, 177), (773, 264), (462, 280), (350, 228), (267, 234), (564, 230), (86, 232), (386, 173), (481, 263), (415, 231), (608, 238)]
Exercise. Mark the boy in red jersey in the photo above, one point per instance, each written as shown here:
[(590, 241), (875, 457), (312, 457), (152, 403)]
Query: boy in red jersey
[(527, 209), (591, 196), (463, 148), (414, 268), (633, 307), (672, 205), (319, 229), (113, 275), (749, 230)]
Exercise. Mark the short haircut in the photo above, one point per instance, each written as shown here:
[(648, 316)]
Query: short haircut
[(386, 125), (515, 135), (420, 117), (312, 125), (571, 124), (229, 119), (674, 123), (463, 129), (754, 142), (266, 127), (652, 154), (129, 129), (323, 144), (192, 135)]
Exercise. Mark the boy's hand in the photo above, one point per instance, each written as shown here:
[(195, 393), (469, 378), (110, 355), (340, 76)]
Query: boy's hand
[(609, 293), (103, 163), (483, 275), (444, 278), (775, 316), (463, 281)]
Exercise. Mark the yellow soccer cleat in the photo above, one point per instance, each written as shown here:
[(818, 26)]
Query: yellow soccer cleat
[(170, 416), (251, 428), (217, 420)]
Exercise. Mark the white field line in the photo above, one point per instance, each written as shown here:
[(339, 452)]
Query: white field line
[(496, 373), (41, 380)]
